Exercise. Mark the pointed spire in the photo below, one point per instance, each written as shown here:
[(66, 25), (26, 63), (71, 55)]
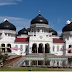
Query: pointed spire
[(39, 12)]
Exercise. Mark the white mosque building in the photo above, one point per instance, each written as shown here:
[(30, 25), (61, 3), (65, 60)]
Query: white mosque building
[(37, 39)]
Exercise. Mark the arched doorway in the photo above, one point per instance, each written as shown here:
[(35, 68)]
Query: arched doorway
[(69, 50), (3, 49), (8, 49), (47, 48), (40, 49), (34, 48)]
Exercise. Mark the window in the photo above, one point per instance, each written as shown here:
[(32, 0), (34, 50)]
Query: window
[(57, 48), (53, 48), (34, 35), (26, 47), (21, 47), (69, 46), (38, 30), (16, 46), (47, 35)]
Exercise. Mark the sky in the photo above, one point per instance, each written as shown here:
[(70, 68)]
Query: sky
[(21, 12)]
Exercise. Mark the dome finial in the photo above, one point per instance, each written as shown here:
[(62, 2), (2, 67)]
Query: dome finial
[(6, 19), (39, 11), (71, 19), (68, 22)]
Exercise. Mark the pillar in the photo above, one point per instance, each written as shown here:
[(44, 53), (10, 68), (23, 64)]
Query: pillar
[(37, 62), (37, 48), (44, 48), (5, 49), (0, 49)]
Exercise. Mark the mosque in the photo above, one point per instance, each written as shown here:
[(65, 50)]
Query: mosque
[(37, 39)]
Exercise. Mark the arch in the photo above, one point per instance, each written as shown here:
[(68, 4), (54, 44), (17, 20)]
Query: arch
[(8, 49), (3, 49), (40, 49), (34, 48), (57, 48), (53, 48), (69, 50), (16, 46), (21, 47), (47, 48)]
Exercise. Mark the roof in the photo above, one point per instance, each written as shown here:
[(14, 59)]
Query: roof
[(7, 26), (22, 40), (53, 32), (68, 27), (57, 40), (23, 31), (39, 19)]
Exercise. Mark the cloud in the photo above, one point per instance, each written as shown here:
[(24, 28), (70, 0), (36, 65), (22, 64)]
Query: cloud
[(18, 22), (2, 4), (9, 2), (59, 32), (58, 20)]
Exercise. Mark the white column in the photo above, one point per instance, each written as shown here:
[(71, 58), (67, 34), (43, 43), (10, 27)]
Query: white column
[(5, 49), (0, 49), (29, 62), (44, 48), (37, 48), (37, 62)]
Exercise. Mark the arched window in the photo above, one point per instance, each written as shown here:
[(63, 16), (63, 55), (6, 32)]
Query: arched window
[(40, 49), (47, 48), (69, 51), (34, 48), (8, 49), (16, 46), (69, 46), (3, 49), (53, 48), (57, 48), (26, 48), (38, 30), (21, 47)]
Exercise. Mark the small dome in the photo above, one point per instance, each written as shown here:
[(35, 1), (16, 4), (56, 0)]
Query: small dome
[(53, 32), (68, 27), (7, 26), (39, 19), (23, 31)]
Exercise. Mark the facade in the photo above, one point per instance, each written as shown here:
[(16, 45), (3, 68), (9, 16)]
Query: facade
[(37, 39)]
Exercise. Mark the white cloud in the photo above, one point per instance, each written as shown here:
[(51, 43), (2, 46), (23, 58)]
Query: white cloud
[(59, 32), (18, 22), (1, 4), (9, 2)]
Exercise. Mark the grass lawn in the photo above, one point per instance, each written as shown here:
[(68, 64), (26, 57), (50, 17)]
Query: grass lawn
[(33, 69)]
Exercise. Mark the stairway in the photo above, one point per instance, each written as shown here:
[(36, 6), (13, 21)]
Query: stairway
[(12, 59)]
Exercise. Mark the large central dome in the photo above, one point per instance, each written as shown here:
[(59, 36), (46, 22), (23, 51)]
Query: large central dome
[(39, 19)]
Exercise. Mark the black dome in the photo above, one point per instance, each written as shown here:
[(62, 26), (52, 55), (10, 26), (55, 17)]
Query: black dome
[(7, 26), (68, 27), (39, 19), (23, 31), (53, 32)]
